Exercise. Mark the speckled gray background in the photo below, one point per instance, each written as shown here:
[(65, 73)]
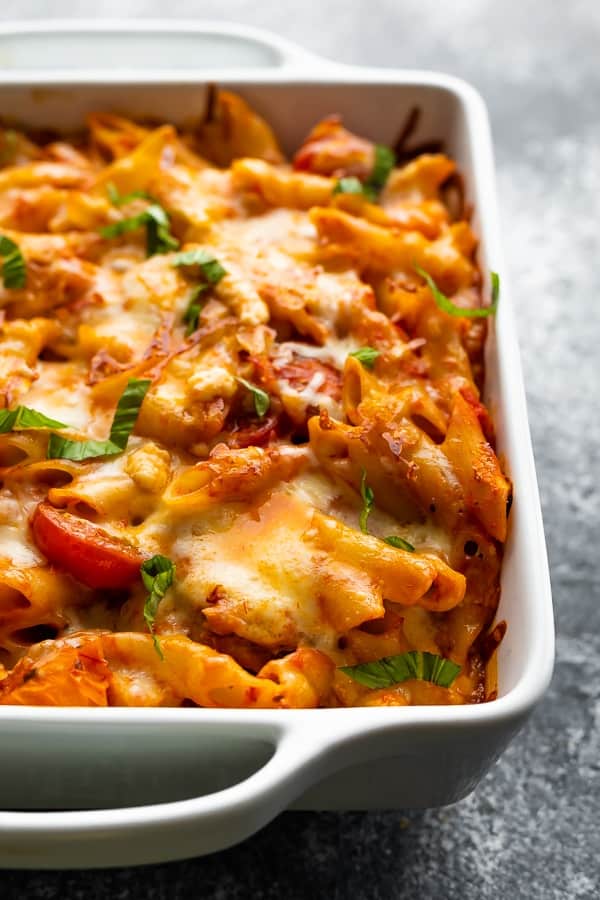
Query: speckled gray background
[(532, 828)]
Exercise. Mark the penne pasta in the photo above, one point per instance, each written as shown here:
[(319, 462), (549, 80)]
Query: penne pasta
[(244, 460)]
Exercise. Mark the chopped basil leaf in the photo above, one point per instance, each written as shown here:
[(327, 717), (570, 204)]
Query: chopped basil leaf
[(157, 574), (124, 225), (366, 356), (449, 307), (158, 236), (113, 194), (385, 160), (23, 417), (123, 423), (262, 401), (192, 313), (156, 221), (391, 670), (14, 268), (349, 185), (127, 410), (395, 541), (63, 448), (212, 269), (118, 199), (383, 164), (368, 499), (495, 282)]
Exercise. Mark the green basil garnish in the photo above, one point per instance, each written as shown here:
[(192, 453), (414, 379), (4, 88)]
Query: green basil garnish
[(118, 199), (123, 423), (212, 271), (157, 223), (22, 417), (63, 448), (368, 499), (445, 304), (195, 306), (157, 574), (395, 541), (14, 267), (391, 670), (384, 162), (349, 185), (366, 356), (128, 409), (262, 401)]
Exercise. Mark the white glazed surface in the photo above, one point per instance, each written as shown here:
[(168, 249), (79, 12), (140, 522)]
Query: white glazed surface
[(353, 758)]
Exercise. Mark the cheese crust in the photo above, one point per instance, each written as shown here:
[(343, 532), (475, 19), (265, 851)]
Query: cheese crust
[(278, 582)]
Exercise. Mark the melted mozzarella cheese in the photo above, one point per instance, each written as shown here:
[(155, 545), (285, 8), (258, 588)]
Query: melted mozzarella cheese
[(15, 547), (310, 396), (319, 491), (335, 352), (255, 554), (265, 569), (61, 393), (257, 573)]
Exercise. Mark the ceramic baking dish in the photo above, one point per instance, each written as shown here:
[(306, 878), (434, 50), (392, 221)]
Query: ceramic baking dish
[(106, 787)]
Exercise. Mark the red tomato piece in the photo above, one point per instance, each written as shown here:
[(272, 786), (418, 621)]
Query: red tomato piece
[(83, 550)]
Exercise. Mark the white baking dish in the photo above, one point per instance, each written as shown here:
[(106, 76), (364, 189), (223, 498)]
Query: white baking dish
[(146, 785)]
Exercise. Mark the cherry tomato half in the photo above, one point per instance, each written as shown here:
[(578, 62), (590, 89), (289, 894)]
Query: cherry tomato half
[(84, 550)]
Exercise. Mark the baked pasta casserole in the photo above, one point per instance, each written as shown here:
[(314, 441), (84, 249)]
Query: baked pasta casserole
[(244, 461)]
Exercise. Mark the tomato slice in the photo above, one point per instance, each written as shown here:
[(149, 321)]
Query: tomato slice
[(83, 550)]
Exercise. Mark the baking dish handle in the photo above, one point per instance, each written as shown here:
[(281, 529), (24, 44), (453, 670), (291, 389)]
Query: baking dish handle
[(110, 48), (172, 830)]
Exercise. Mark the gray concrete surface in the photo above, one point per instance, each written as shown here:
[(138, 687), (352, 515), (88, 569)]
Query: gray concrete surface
[(531, 829)]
